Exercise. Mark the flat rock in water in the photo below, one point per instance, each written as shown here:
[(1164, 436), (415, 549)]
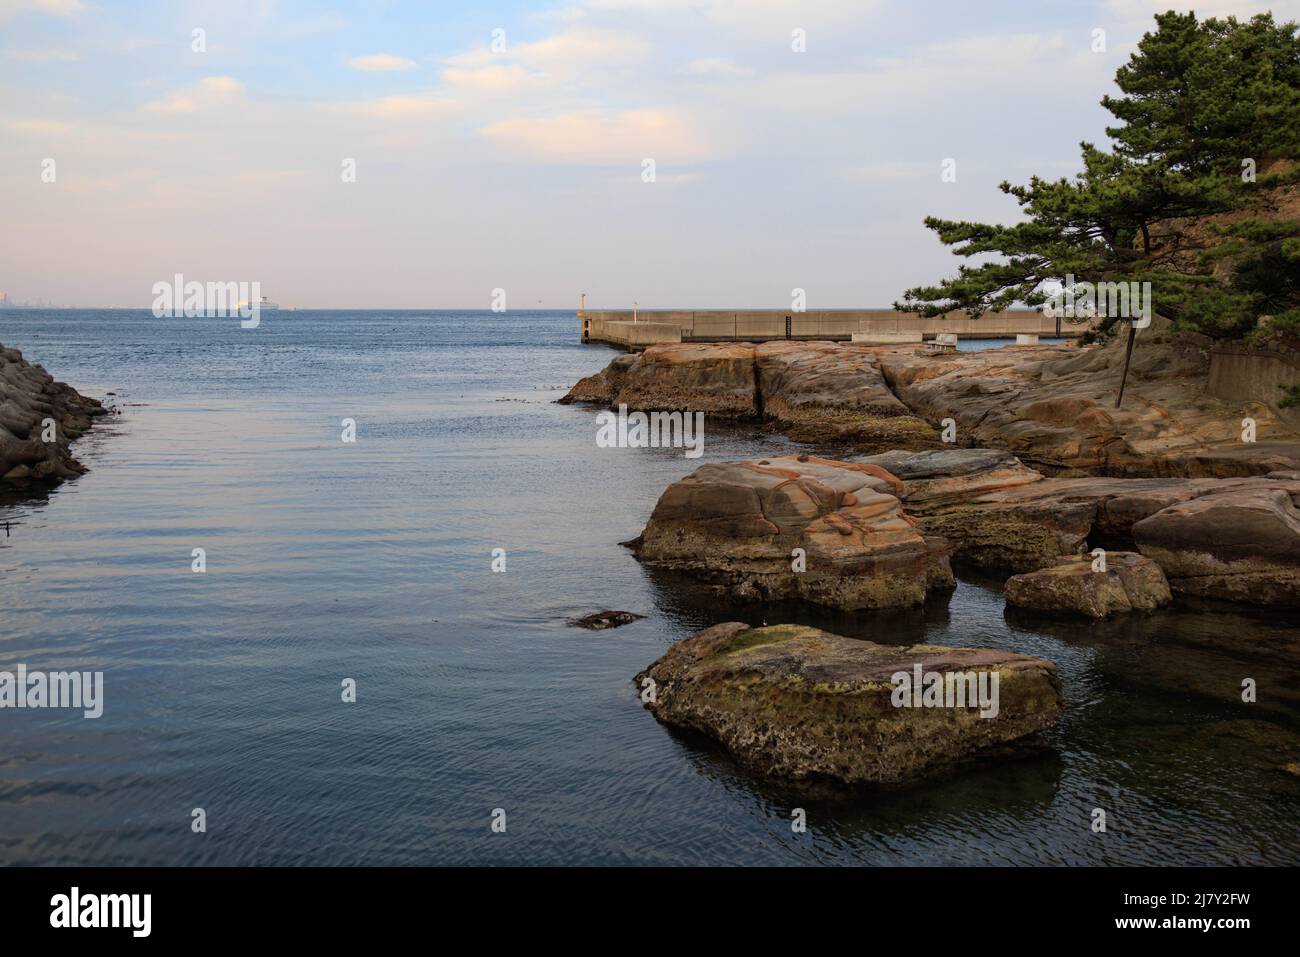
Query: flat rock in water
[(829, 532), (802, 704), (1129, 583)]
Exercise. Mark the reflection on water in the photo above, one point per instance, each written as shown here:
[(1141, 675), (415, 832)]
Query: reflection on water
[(372, 561)]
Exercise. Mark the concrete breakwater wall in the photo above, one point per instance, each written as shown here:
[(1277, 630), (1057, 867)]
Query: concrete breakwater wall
[(651, 327), (1239, 372)]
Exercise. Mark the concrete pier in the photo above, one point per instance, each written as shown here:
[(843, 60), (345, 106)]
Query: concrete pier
[(654, 326)]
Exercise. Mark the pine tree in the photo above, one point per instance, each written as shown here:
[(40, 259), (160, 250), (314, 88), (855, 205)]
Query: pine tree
[(1203, 156)]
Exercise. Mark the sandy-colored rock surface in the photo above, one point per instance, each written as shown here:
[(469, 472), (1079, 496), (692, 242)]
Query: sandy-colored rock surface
[(1053, 406), (802, 704), (811, 391), (1050, 405), (999, 514), (1241, 544), (738, 524), (835, 392), (1130, 582)]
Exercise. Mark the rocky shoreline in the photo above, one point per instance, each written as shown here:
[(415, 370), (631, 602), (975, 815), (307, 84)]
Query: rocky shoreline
[(1013, 460), (1052, 406), (39, 419)]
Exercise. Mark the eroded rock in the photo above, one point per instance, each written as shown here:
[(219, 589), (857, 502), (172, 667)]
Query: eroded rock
[(714, 378), (1053, 406), (997, 513), (802, 704), (1130, 582), (831, 392), (1240, 543), (1050, 405), (28, 397), (811, 391), (742, 525)]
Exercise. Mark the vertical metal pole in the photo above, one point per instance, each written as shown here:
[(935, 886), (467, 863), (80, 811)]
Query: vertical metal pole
[(1128, 355)]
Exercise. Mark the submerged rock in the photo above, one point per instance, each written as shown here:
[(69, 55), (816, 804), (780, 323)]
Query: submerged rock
[(829, 532), (29, 397), (1129, 583), (802, 704), (602, 620)]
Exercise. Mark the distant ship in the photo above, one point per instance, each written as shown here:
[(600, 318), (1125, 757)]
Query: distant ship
[(264, 305)]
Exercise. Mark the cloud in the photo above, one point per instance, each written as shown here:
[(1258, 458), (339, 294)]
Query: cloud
[(40, 127), (758, 20), (405, 105), (381, 63), (717, 68), (42, 56), (211, 91), (488, 78), (599, 138), (222, 85), (881, 172), (1147, 9), (58, 8), (569, 51)]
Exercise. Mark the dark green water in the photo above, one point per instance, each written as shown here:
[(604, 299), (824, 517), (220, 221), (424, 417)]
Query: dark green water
[(372, 561)]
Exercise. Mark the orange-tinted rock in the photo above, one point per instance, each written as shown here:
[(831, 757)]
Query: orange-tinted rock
[(811, 391), (1053, 407), (738, 525)]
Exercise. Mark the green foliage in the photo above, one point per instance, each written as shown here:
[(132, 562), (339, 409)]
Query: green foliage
[(1199, 100)]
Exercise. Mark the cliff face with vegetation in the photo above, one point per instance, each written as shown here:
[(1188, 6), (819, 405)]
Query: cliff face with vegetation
[(39, 418)]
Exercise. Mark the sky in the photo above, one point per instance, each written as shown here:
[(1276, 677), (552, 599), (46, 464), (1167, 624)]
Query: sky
[(422, 155)]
